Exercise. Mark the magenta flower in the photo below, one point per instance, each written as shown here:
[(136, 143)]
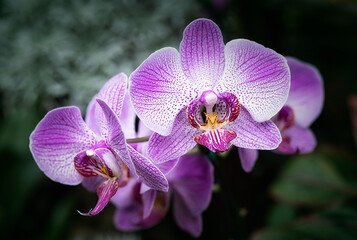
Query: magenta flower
[(70, 152), (190, 183), (210, 94), (303, 106)]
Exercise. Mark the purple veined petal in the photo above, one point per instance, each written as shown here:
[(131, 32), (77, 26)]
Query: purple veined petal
[(57, 139), (148, 198), (127, 118), (192, 179), (115, 137), (179, 142), (159, 90), (185, 219), (105, 192), (113, 93), (148, 172), (248, 157), (254, 135), (297, 140), (202, 53), (306, 95), (218, 140), (258, 76)]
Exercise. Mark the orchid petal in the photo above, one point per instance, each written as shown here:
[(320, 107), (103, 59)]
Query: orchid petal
[(105, 192), (129, 214), (92, 183), (297, 140), (258, 76), (112, 93), (57, 139), (115, 136), (192, 179), (148, 172), (202, 53), (179, 142), (128, 219), (168, 166), (254, 135), (306, 92), (159, 90), (127, 118), (128, 195), (148, 198), (143, 130), (248, 157), (185, 219)]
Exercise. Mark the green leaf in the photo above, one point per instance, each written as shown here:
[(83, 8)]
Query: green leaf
[(316, 180)]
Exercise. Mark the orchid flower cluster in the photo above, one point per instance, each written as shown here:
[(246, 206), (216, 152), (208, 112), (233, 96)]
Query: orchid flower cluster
[(207, 93)]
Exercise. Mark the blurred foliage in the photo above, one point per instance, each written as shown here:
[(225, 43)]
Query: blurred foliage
[(316, 197), (60, 52)]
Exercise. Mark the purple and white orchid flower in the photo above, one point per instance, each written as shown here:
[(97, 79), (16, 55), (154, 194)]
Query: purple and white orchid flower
[(70, 151), (303, 106), (210, 94), (190, 181)]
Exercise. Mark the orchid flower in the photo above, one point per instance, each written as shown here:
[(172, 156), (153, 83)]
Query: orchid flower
[(210, 94), (190, 183), (69, 151), (303, 106)]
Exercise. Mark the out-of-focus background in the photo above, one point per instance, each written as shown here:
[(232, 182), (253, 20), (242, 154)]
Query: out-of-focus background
[(60, 52)]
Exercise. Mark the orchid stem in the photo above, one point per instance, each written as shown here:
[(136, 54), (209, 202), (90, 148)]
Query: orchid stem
[(138, 140)]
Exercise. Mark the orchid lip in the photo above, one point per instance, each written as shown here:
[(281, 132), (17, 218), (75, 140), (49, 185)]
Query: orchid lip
[(98, 162), (210, 113)]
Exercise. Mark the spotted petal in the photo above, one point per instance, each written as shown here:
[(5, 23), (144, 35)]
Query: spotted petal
[(112, 93), (179, 142), (148, 172), (254, 135), (159, 90), (202, 53), (57, 139), (258, 76), (306, 93)]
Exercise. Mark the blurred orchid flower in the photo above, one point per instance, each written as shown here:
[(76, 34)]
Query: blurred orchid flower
[(303, 106), (210, 94), (70, 151), (190, 184)]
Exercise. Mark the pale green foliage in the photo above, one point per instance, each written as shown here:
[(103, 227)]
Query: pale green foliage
[(57, 53)]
